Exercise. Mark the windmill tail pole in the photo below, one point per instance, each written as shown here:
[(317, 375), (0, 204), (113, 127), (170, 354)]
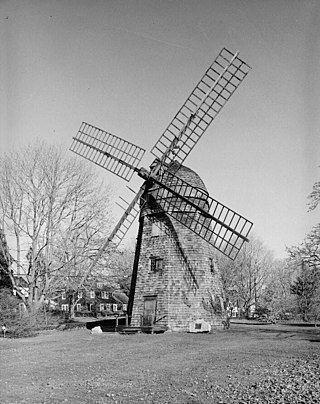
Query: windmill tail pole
[(135, 267)]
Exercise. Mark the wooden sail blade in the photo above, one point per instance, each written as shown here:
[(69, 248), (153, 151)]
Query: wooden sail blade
[(106, 150), (205, 102), (219, 225), (118, 233), (128, 217)]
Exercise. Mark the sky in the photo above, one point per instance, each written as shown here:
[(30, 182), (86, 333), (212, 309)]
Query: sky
[(127, 66)]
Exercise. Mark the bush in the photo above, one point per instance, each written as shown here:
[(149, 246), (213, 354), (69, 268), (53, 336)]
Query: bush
[(261, 310), (18, 321)]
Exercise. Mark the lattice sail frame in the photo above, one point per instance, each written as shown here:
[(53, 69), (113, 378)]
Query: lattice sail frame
[(122, 158), (219, 225), (106, 150), (204, 103)]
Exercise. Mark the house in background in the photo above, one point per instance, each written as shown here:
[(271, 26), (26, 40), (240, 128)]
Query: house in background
[(98, 299)]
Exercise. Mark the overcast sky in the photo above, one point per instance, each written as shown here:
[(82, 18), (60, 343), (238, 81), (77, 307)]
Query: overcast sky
[(127, 66)]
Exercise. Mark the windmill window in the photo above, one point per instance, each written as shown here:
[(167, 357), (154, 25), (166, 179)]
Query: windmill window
[(155, 230), (156, 264), (211, 261)]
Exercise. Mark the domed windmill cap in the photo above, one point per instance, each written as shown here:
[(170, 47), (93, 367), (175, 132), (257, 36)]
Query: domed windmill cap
[(187, 175), (185, 184)]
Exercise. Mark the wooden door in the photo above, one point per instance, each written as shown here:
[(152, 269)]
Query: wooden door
[(149, 310)]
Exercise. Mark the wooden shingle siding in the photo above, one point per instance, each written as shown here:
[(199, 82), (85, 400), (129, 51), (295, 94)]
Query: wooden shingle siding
[(187, 283)]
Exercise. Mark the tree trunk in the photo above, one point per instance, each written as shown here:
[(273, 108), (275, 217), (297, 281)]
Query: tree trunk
[(71, 307)]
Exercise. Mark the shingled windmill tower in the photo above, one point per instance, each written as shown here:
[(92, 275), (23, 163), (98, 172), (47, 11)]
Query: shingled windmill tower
[(175, 280)]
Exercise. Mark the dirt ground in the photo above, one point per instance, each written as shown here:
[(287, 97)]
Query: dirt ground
[(79, 367)]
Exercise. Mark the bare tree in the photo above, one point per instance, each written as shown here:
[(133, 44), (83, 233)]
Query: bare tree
[(314, 197), (245, 278), (55, 213), (5, 262), (306, 259), (119, 266), (277, 299)]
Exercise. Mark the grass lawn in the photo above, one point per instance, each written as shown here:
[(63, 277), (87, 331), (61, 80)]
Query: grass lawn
[(78, 367)]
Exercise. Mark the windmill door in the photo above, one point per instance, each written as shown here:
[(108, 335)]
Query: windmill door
[(149, 310)]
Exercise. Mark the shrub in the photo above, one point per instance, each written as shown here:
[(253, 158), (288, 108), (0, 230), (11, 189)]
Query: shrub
[(18, 321)]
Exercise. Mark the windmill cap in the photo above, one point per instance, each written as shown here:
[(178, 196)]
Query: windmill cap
[(187, 175)]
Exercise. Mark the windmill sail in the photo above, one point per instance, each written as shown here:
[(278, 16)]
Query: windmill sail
[(128, 217), (118, 232), (107, 150), (211, 220), (219, 225), (203, 105)]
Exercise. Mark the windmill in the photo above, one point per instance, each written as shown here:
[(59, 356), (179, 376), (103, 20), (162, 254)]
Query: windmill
[(173, 199)]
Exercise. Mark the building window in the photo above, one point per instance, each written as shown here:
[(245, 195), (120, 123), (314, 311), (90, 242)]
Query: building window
[(101, 307), (99, 285), (78, 307), (108, 307), (90, 306), (92, 294), (114, 307), (156, 264), (65, 307), (104, 294), (124, 307), (80, 294), (63, 296)]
